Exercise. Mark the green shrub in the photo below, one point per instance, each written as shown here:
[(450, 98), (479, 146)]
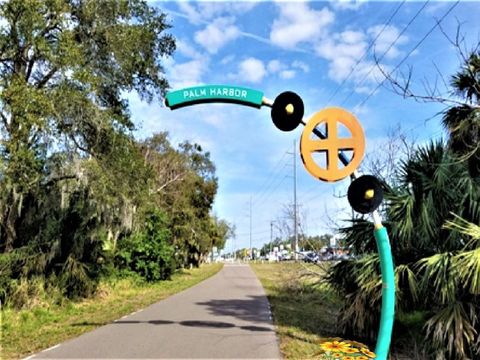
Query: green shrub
[(149, 252), (29, 293)]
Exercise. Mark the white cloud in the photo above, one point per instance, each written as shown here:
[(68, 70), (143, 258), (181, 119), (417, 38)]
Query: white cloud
[(361, 111), (251, 70), (287, 74), (301, 65), (363, 89), (435, 7), (187, 74), (217, 34), (346, 44), (299, 23), (340, 67), (346, 51), (274, 66), (343, 50), (212, 9), (184, 48), (215, 119), (386, 38), (370, 71), (227, 59), (347, 4), (191, 12), (203, 12), (352, 37)]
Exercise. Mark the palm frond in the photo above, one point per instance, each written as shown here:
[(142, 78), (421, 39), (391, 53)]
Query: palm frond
[(467, 265), (403, 273), (402, 214), (439, 276), (465, 83), (452, 327), (466, 228)]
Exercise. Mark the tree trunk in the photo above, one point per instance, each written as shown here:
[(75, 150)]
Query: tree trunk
[(9, 224), (12, 211)]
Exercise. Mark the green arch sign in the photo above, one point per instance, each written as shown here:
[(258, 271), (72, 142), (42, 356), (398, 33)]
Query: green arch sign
[(214, 93)]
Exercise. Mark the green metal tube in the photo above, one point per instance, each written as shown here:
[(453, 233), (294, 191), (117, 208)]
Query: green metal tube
[(388, 293)]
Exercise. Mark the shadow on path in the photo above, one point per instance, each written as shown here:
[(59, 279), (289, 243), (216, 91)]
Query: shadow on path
[(189, 323), (256, 309)]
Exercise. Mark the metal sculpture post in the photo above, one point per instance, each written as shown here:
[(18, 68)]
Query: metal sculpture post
[(388, 288), (365, 192)]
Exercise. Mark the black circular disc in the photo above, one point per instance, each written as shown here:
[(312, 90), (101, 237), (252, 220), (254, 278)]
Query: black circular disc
[(281, 118), (356, 194)]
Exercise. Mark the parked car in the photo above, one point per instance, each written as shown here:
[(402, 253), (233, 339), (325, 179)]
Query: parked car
[(326, 257), (343, 257), (311, 257), (285, 257)]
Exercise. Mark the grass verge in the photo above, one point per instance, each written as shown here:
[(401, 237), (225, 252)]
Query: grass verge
[(305, 312), (27, 331)]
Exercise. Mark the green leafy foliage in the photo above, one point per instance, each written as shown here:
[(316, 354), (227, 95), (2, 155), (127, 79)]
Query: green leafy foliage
[(149, 252)]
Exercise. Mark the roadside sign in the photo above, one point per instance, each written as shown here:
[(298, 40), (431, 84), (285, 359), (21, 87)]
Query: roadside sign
[(214, 93)]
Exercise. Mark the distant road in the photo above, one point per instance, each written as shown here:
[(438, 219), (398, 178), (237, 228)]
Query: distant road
[(226, 316)]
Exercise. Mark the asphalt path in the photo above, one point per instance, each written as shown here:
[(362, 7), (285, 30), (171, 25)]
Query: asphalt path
[(226, 316)]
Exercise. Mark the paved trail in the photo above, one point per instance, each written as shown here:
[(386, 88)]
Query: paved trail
[(226, 316)]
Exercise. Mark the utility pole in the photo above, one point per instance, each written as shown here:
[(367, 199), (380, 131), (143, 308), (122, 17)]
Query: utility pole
[(271, 236), (234, 246), (251, 250), (295, 227)]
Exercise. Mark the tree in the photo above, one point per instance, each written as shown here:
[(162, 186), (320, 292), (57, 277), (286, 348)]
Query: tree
[(63, 67), (463, 121), (184, 185), (220, 231), (71, 175), (383, 160), (315, 243), (191, 211)]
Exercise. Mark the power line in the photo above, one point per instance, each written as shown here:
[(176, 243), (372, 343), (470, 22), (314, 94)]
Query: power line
[(263, 197), (266, 196), (270, 179), (274, 183), (253, 233), (275, 169), (389, 48), (366, 51), (313, 189), (438, 22)]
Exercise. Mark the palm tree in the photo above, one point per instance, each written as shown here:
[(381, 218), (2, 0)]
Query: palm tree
[(430, 215), (463, 121)]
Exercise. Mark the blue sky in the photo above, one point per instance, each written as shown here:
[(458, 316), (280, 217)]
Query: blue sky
[(309, 48)]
